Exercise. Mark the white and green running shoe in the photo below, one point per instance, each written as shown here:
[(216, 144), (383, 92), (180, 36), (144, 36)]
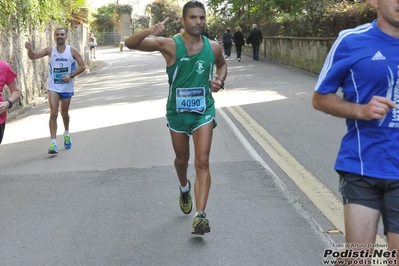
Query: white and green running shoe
[(53, 148), (67, 141)]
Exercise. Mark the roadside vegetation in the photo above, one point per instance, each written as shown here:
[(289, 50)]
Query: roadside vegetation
[(24, 14), (297, 18), (300, 18)]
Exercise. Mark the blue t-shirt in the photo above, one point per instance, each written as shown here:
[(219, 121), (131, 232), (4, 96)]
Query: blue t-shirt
[(364, 62)]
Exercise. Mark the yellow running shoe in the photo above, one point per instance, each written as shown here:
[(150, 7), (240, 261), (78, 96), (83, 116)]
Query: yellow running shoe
[(200, 224), (186, 203)]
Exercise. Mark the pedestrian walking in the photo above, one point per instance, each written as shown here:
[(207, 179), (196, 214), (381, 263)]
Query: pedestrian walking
[(8, 78), (239, 41), (255, 39), (227, 41), (364, 62), (62, 71), (190, 110)]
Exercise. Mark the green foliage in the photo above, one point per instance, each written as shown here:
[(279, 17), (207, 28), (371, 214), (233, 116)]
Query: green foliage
[(161, 10), (216, 23), (105, 19), (25, 13), (348, 14), (141, 22), (293, 17), (124, 9), (275, 17)]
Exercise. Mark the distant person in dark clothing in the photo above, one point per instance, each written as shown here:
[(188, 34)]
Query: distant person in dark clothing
[(227, 40), (255, 38), (239, 41)]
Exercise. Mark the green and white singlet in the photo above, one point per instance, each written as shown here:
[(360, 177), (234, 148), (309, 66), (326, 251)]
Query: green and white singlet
[(188, 77)]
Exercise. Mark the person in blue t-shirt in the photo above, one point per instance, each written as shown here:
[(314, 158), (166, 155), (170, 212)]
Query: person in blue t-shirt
[(364, 63)]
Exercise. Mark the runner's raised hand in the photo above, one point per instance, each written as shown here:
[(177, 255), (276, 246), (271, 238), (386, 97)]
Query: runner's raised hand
[(28, 45), (159, 27)]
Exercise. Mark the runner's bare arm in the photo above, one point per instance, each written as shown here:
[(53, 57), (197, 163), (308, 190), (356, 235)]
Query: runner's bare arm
[(142, 41), (81, 66), (76, 55), (39, 54), (14, 96), (221, 67), (335, 105)]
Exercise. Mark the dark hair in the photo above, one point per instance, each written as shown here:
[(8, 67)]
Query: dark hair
[(192, 4), (66, 32)]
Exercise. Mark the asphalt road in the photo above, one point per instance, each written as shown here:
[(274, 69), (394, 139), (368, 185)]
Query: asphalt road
[(113, 198)]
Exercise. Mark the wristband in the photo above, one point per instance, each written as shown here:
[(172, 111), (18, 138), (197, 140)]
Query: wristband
[(222, 85), (10, 103)]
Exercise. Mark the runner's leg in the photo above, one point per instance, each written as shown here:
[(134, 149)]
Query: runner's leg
[(65, 103), (53, 101), (202, 138), (181, 146)]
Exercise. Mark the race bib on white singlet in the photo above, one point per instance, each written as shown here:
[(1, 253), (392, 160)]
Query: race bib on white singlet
[(190, 100), (58, 73)]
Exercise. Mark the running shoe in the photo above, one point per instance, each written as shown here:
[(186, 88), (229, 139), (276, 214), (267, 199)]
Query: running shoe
[(200, 224), (67, 141), (186, 203), (53, 148)]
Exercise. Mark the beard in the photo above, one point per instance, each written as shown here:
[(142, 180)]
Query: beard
[(390, 19), (61, 41), (195, 31)]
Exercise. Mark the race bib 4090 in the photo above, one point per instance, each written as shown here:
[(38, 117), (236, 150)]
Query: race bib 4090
[(190, 100)]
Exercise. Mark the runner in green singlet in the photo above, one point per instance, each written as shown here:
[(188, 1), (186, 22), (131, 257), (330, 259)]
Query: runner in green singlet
[(190, 110)]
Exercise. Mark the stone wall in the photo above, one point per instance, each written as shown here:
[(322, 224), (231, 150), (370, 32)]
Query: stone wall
[(305, 53), (32, 74)]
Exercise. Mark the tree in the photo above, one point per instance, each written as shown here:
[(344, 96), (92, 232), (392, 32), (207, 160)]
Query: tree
[(25, 13), (294, 17), (141, 22), (159, 10), (105, 19)]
